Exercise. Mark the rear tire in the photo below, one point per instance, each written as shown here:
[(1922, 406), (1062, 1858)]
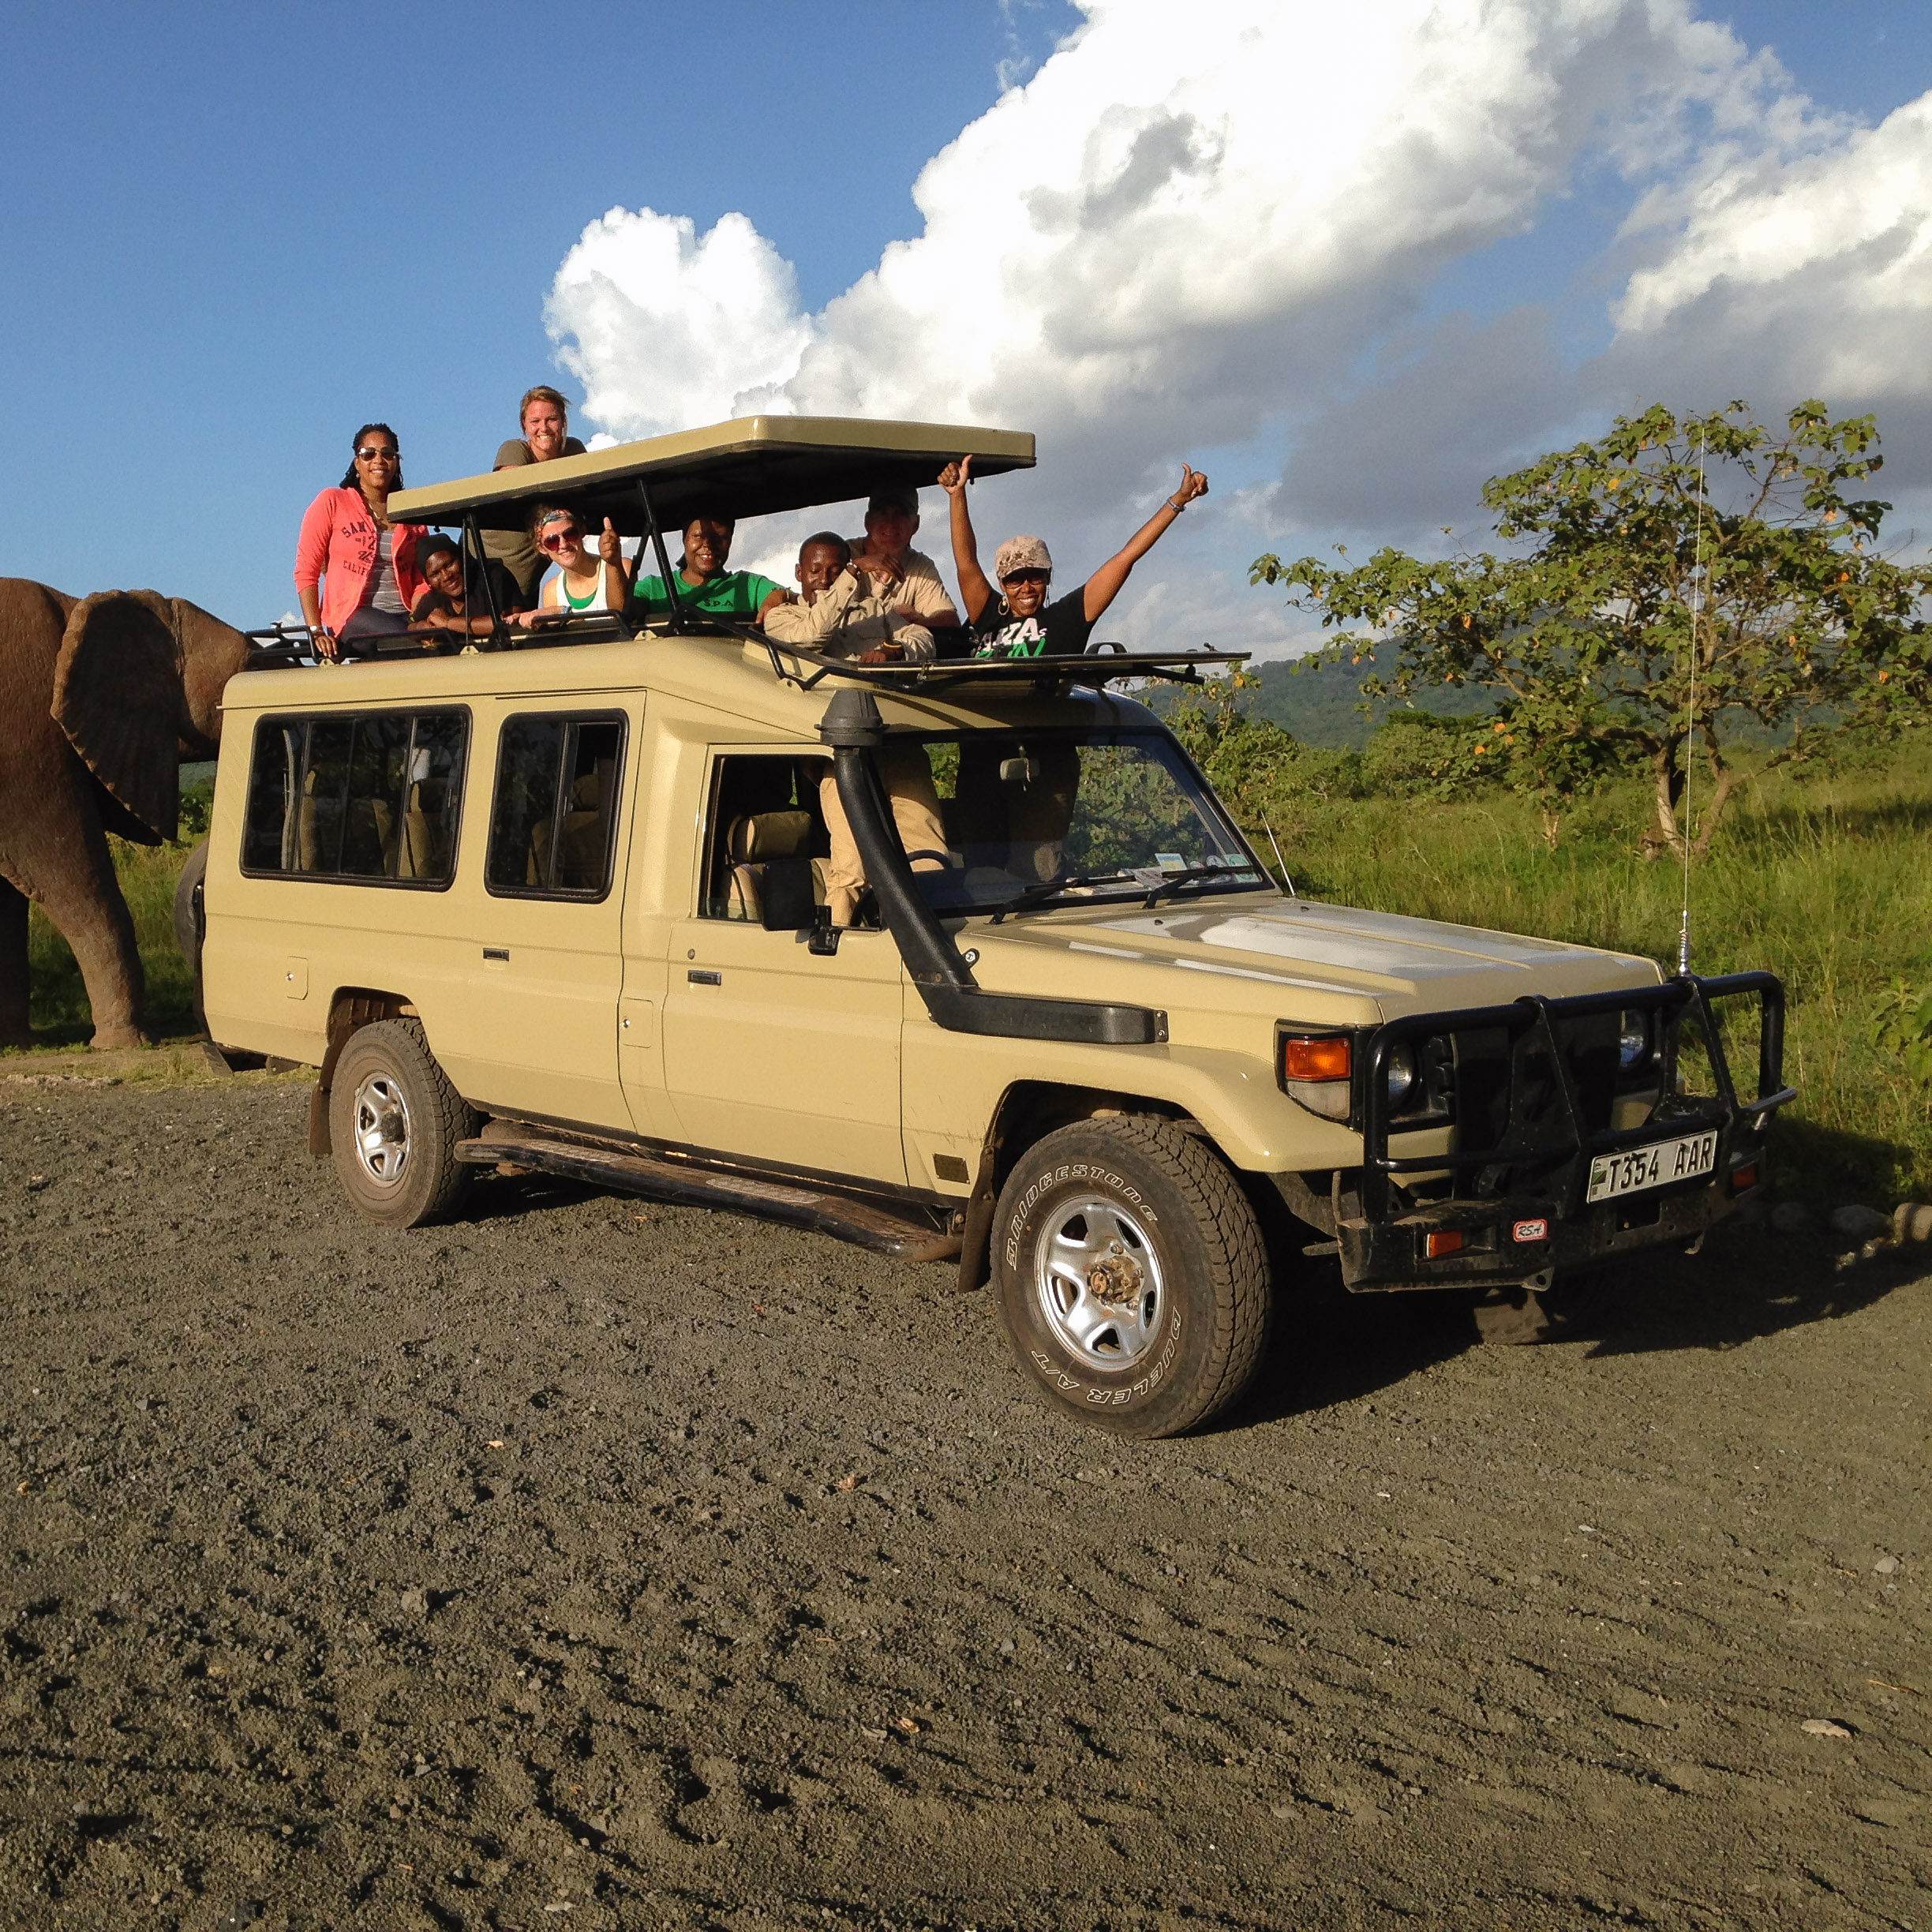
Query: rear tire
[(395, 1121), (1131, 1275)]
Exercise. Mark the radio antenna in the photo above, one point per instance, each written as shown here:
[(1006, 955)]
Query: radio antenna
[(1697, 611)]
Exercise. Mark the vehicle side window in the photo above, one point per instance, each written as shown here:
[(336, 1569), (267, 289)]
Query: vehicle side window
[(371, 797), (764, 838), (553, 821)]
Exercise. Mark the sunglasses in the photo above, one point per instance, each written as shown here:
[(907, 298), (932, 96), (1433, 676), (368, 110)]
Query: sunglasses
[(1026, 576), (556, 539), (370, 451)]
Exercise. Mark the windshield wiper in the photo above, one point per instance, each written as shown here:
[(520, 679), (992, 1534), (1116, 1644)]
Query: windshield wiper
[(1194, 876), (1050, 889)]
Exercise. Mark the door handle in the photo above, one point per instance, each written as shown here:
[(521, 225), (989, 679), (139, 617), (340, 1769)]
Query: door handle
[(700, 975)]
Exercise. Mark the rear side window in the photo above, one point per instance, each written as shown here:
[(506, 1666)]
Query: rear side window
[(553, 822), (370, 798)]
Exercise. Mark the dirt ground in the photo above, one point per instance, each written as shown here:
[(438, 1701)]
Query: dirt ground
[(593, 1564)]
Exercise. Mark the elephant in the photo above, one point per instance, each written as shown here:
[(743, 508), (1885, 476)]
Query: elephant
[(104, 697)]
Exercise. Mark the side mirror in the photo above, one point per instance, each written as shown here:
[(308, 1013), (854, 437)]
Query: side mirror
[(785, 900)]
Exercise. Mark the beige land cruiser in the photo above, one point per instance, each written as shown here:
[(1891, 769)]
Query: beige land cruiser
[(557, 905)]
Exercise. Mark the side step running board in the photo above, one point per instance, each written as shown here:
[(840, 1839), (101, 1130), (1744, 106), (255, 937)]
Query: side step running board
[(864, 1223)]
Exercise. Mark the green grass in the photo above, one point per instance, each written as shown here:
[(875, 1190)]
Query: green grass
[(1821, 878)]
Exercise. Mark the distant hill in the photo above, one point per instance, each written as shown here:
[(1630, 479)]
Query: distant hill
[(1321, 707)]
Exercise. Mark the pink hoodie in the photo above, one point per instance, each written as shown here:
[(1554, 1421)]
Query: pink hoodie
[(337, 548)]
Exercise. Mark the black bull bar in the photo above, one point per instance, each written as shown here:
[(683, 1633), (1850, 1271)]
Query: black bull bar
[(1527, 1164)]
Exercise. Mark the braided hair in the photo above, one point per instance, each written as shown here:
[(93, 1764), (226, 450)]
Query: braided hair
[(395, 442)]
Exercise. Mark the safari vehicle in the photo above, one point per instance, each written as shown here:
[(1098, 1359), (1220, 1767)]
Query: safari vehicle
[(557, 907)]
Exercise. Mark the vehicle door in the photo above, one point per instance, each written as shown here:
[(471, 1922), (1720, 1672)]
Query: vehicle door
[(772, 1050), (538, 1031)]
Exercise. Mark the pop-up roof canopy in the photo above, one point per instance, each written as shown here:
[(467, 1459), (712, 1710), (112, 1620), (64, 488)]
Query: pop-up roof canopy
[(748, 467)]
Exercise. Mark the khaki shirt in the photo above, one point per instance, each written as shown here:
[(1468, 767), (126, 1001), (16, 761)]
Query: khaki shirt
[(922, 586), (849, 617), (516, 550)]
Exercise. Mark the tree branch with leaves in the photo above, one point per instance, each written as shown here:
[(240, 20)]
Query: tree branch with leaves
[(1675, 570)]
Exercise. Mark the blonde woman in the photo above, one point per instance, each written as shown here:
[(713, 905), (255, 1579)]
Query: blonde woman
[(585, 581)]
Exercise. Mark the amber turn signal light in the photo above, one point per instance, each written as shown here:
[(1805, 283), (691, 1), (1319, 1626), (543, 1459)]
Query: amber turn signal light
[(1304, 1059), (1444, 1241), (1743, 1178)]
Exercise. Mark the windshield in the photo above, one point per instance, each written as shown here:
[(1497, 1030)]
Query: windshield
[(1035, 816)]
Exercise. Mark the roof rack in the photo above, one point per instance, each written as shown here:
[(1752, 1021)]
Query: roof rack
[(1101, 664)]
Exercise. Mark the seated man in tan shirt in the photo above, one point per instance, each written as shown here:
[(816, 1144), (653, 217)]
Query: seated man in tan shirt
[(834, 615), (843, 612)]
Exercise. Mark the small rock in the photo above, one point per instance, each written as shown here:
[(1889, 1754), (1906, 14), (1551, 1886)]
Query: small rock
[(1825, 1727), (1790, 1218), (1878, 1245), (416, 1602), (1887, 1566), (1858, 1222), (1921, 1228)]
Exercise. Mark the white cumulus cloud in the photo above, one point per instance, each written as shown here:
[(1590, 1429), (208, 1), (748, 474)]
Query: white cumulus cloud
[(1811, 279), (664, 327), (1219, 231)]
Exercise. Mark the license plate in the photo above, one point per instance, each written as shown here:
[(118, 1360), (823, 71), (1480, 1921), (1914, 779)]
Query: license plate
[(1655, 1165)]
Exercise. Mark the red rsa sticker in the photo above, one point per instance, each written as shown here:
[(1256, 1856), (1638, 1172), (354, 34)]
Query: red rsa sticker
[(1529, 1231)]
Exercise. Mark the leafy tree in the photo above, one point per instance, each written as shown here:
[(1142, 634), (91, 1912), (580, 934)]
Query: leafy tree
[(1677, 570)]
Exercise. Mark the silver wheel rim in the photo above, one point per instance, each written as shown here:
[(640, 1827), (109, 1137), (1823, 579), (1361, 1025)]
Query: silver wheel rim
[(382, 1128), (1097, 1277)]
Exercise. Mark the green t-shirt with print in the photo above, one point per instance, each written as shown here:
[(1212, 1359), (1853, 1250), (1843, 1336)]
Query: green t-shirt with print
[(731, 593)]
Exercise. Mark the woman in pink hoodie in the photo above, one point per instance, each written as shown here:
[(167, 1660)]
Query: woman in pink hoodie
[(365, 565)]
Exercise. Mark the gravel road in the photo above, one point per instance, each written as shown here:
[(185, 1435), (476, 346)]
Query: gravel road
[(595, 1564)]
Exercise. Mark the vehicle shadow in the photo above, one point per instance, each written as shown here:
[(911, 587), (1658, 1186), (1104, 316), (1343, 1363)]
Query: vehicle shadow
[(1746, 1284), (496, 1196), (1329, 1346)]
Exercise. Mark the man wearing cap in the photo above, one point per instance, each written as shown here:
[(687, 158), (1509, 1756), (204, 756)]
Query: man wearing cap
[(908, 578), (1018, 621), (544, 418)]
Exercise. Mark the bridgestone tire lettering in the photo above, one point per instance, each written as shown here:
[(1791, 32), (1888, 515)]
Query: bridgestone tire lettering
[(1212, 1327)]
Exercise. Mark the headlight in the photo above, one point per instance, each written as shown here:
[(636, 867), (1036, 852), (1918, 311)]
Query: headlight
[(1633, 1038), (1401, 1074)]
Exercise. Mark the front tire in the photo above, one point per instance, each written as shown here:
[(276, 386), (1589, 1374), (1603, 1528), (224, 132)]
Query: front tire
[(1131, 1275), (395, 1121)]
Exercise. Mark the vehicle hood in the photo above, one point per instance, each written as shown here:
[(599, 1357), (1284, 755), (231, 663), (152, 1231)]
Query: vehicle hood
[(1301, 955)]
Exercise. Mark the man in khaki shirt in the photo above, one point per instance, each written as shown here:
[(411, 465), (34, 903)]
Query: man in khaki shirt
[(838, 617), (544, 416), (842, 612), (908, 577)]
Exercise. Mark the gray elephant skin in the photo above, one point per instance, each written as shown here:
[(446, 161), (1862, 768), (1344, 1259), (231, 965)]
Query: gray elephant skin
[(104, 697)]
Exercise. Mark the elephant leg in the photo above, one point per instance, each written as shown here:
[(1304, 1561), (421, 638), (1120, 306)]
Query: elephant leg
[(14, 1028), (75, 884)]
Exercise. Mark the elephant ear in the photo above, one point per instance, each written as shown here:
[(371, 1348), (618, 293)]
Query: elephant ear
[(117, 696)]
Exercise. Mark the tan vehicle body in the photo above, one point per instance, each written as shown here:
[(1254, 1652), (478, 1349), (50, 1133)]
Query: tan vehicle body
[(578, 914), (588, 1014)]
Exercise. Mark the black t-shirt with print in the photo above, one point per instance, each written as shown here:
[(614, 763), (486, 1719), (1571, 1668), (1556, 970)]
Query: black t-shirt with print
[(1059, 629)]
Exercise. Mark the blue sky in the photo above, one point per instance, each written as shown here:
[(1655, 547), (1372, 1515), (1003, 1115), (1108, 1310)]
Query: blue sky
[(236, 233)]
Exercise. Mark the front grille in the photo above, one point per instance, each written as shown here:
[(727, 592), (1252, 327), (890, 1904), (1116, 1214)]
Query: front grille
[(1531, 1089)]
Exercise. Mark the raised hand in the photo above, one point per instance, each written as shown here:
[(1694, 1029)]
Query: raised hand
[(955, 476), (610, 545), (1192, 485)]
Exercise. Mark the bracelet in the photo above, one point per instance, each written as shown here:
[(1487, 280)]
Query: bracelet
[(1177, 508)]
